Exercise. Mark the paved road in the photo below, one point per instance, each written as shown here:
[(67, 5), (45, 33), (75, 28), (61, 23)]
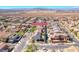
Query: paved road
[(55, 48), (21, 43)]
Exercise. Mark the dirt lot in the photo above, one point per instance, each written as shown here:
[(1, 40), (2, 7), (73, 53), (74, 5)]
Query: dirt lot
[(50, 14)]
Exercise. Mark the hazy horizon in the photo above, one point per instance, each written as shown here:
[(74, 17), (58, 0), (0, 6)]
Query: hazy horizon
[(46, 7)]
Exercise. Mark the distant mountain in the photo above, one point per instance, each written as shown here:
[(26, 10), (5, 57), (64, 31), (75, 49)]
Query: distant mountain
[(39, 9)]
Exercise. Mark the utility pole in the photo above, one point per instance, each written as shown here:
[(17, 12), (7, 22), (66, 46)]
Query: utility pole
[(46, 35)]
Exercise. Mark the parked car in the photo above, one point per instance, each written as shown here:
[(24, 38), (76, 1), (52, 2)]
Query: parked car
[(14, 39), (3, 47)]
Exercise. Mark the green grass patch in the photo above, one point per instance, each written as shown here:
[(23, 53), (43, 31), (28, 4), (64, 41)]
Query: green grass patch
[(20, 33), (31, 48), (33, 29)]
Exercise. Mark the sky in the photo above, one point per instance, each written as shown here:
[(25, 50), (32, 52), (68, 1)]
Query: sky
[(49, 7)]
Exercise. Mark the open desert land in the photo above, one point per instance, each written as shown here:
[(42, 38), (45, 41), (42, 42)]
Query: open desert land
[(43, 13)]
